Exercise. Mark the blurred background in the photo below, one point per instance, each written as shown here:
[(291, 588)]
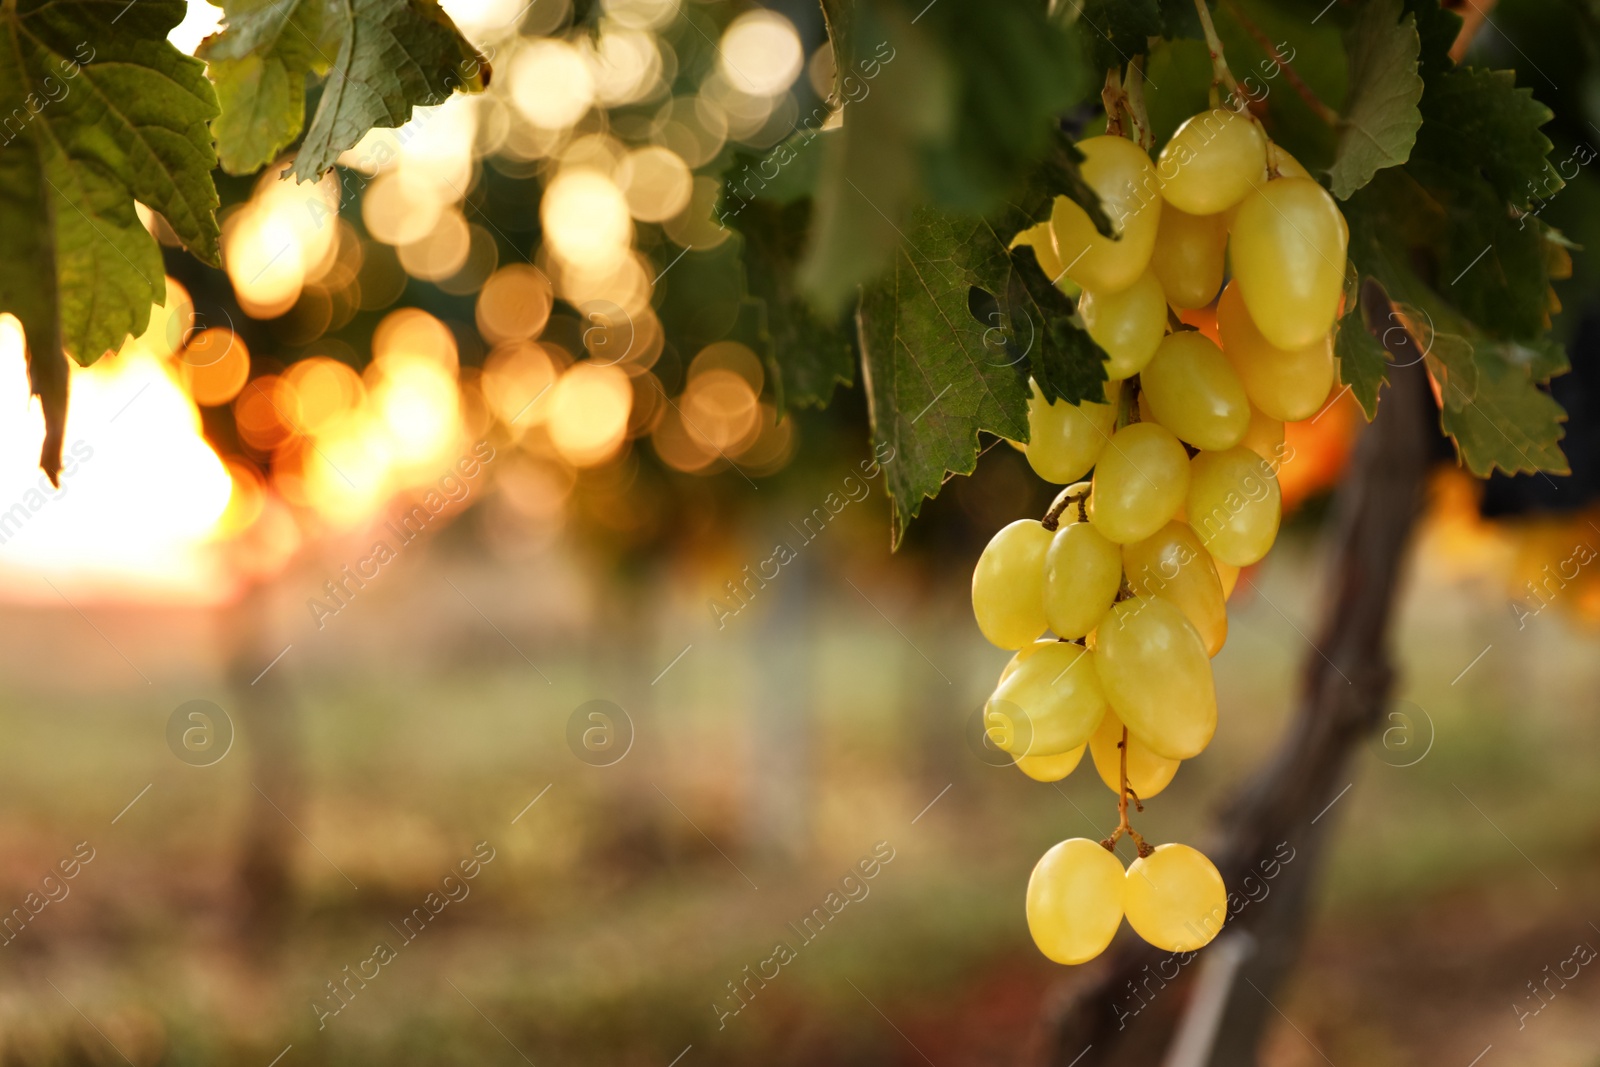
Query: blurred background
[(440, 577)]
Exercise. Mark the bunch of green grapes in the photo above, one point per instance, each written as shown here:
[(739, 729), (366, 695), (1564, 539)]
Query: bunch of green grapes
[(1117, 600)]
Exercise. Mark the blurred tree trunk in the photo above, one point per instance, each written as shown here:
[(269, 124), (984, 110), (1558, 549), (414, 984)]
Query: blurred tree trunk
[(779, 767), (266, 708), (1130, 1012)]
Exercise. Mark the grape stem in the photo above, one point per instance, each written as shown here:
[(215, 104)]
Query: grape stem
[(1133, 100), (1220, 74), (1111, 98), (1123, 826), (1072, 494), (1124, 98)]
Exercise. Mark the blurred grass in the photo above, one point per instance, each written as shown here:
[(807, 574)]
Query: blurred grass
[(780, 750)]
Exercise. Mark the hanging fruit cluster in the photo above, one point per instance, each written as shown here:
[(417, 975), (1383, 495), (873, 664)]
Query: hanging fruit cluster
[(1130, 570)]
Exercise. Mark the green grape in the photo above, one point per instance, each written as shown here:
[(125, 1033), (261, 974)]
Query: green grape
[(1286, 165), (1139, 483), (1212, 162), (1022, 654), (1175, 899), (1189, 256), (1006, 584), (1049, 705), (1195, 393), (1265, 438), (1286, 385), (1234, 504), (1066, 439), (1120, 172), (1173, 565), (1157, 676), (1148, 773), (1229, 576), (1050, 768), (1075, 900), (1287, 248), (1128, 324), (1082, 571)]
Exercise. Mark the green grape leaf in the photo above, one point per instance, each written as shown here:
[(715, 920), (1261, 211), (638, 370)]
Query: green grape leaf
[(1363, 361), (934, 375), (1380, 120), (381, 58), (1491, 405), (1065, 361), (807, 356), (1479, 122), (868, 172), (1437, 29), (1114, 31), (1493, 267), (1491, 401), (950, 104), (104, 112), (259, 64)]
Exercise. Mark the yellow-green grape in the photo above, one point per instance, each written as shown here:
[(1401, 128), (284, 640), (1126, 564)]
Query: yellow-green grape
[(1006, 584), (1283, 163), (1051, 768), (1066, 439), (1194, 392), (1157, 676), (1190, 253), (1287, 166), (1234, 504), (1120, 172), (1229, 576), (1082, 571), (1287, 385), (1041, 238), (1287, 248), (1175, 898), (1075, 900), (1148, 773), (1023, 653), (1265, 438), (1128, 324), (1139, 483), (1212, 162), (1049, 705), (1173, 565)]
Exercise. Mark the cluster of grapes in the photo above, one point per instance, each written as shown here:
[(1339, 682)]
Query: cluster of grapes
[(1130, 571)]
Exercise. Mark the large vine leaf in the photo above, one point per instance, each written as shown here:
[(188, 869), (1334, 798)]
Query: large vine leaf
[(381, 59), (1065, 361), (1468, 278), (1479, 122), (1380, 120), (807, 355), (1491, 403), (1114, 31), (259, 65), (934, 375), (948, 338), (948, 104), (110, 114)]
